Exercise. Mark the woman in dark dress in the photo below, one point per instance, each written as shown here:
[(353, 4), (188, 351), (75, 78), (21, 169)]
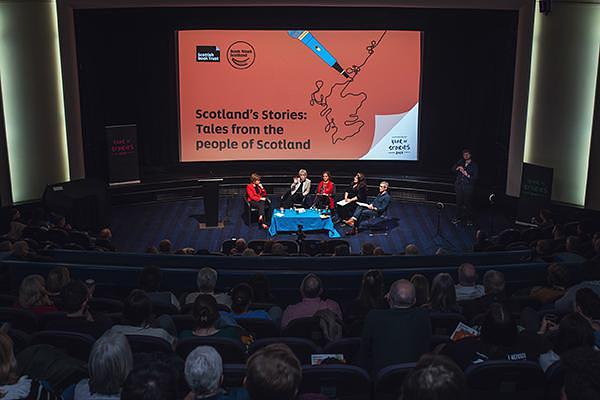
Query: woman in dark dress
[(357, 192)]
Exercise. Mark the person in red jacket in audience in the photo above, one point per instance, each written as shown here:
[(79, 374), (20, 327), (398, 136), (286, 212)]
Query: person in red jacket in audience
[(257, 197)]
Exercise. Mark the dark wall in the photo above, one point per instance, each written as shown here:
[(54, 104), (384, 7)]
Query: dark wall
[(127, 72)]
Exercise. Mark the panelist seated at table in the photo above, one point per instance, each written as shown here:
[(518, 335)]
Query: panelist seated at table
[(325, 192), (299, 189), (257, 197), (356, 192), (374, 209)]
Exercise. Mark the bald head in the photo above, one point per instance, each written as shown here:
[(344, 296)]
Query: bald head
[(402, 294), (311, 286)]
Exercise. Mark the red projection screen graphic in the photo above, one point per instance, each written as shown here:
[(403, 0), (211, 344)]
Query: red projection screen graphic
[(280, 95)]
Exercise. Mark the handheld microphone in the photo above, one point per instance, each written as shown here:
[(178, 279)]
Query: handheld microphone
[(312, 43)]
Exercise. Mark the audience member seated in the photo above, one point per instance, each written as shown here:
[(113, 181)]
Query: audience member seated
[(59, 222), (311, 291), (204, 376), (582, 374), (22, 252), (34, 296), (249, 253), (443, 295), (261, 287), (165, 246), (587, 304), (499, 340), (567, 301), (151, 250), (239, 247), (273, 373), (15, 225), (421, 284), (435, 377), (38, 219), (138, 320), (482, 242), (467, 288), (544, 249), (104, 240), (279, 250), (398, 335), (366, 249), (557, 282), (370, 297), (545, 220), (150, 279), (57, 279), (6, 246), (241, 298), (154, 381), (206, 315), (75, 297), (378, 251), (411, 250), (341, 250), (109, 364), (206, 281), (573, 331), (267, 248), (494, 286), (559, 236)]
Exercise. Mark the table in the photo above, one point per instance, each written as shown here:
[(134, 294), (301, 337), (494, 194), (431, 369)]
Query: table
[(289, 219)]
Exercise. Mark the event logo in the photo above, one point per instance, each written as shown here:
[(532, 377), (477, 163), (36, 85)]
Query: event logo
[(241, 55), (208, 54)]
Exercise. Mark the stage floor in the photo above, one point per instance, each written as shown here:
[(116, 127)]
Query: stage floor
[(136, 227)]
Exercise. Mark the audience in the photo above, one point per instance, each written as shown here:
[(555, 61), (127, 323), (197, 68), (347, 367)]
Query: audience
[(150, 279), (567, 301), (587, 304), (241, 298), (366, 249), (311, 291), (273, 373), (557, 283), (267, 249), (204, 373), (443, 295), (34, 296), (206, 281), (239, 247), (370, 297), (435, 378), (467, 288), (57, 279), (75, 297), (109, 364), (494, 287), (582, 374), (378, 251), (411, 250), (398, 335), (154, 381), (341, 250), (206, 316), (499, 340), (261, 287), (421, 284), (279, 250), (164, 246), (138, 319), (104, 240), (249, 253)]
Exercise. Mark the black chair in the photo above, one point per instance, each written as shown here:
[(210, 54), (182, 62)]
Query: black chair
[(348, 347), (233, 375), (116, 318), (302, 348), (501, 380), (148, 344), (20, 340), (249, 211), (508, 236), (20, 319), (311, 247), (105, 305), (444, 323), (515, 246), (159, 309), (36, 233), (290, 246), (74, 344), (183, 322), (80, 238), (44, 319), (58, 236), (437, 340), (7, 300), (388, 380), (231, 351), (257, 245), (227, 245), (259, 328), (306, 328), (330, 245), (531, 234), (555, 378), (336, 381)]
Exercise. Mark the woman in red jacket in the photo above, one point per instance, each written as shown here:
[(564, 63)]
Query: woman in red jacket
[(257, 197), (325, 192)]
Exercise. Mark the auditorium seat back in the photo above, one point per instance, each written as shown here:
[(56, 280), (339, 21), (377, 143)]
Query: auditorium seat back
[(501, 380), (336, 381), (388, 381), (74, 344)]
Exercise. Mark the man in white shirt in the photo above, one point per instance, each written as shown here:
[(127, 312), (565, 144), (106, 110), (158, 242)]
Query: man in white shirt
[(299, 189), (467, 288)]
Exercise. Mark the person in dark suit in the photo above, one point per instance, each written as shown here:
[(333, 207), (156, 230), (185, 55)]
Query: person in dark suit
[(466, 171), (398, 335), (375, 209)]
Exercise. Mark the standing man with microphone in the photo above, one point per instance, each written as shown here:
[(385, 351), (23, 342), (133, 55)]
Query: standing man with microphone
[(466, 171)]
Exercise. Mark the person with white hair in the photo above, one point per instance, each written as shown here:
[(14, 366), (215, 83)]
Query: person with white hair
[(299, 189), (206, 281), (109, 364)]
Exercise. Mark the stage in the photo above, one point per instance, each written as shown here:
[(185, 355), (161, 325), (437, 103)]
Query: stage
[(135, 227)]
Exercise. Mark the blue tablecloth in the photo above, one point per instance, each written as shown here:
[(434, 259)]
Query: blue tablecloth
[(309, 219)]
